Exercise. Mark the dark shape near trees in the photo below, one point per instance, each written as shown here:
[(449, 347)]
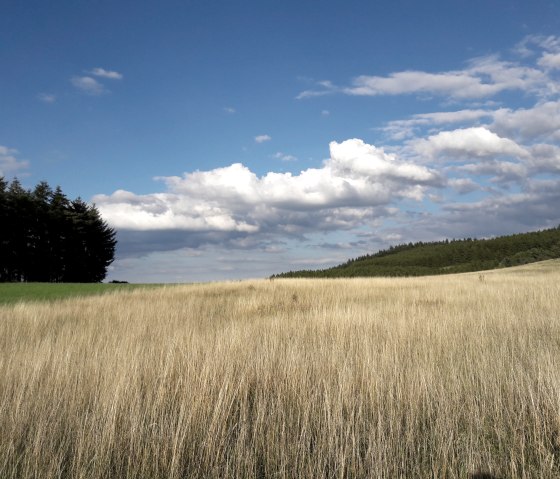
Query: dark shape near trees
[(45, 237)]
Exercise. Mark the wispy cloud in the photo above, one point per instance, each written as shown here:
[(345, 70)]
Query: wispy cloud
[(284, 157), (46, 97), (402, 129), (550, 61), (326, 88), (262, 138), (540, 122), (93, 86), (102, 73), (88, 85), (229, 110), (9, 163), (464, 185), (534, 44), (482, 77)]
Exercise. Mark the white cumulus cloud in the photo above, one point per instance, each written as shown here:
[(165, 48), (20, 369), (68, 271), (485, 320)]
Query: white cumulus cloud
[(353, 186), (468, 142)]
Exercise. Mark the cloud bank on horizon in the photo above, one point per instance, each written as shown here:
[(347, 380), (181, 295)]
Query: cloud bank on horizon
[(476, 167)]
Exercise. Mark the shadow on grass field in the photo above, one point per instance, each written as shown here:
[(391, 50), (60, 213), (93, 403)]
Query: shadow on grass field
[(11, 293)]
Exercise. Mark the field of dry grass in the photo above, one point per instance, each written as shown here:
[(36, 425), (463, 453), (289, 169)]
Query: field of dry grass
[(385, 378)]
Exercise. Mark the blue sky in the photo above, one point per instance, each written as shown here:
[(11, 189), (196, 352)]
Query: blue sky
[(239, 139)]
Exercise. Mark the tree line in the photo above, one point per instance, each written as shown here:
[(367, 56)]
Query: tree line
[(447, 256), (46, 237)]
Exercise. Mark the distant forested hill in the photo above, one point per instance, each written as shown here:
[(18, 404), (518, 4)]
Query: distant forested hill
[(443, 257)]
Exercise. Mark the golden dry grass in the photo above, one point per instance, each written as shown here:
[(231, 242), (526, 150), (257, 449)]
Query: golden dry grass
[(425, 377)]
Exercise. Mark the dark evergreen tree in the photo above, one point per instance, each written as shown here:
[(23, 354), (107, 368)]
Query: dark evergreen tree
[(4, 230), (59, 235), (47, 237), (91, 247), (19, 211), (40, 267)]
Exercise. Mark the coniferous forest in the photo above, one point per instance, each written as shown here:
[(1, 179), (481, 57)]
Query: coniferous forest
[(446, 257), (46, 237)]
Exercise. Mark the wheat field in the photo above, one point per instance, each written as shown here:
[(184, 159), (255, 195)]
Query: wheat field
[(450, 376)]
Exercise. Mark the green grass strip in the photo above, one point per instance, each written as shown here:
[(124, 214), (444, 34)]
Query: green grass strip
[(11, 293)]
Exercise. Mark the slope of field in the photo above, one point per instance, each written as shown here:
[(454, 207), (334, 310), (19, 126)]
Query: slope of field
[(446, 257), (385, 378)]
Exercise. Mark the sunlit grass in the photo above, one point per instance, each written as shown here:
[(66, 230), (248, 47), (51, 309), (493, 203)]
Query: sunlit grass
[(423, 377)]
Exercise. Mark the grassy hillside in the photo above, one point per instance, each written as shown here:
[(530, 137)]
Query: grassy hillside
[(364, 377), (445, 257)]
